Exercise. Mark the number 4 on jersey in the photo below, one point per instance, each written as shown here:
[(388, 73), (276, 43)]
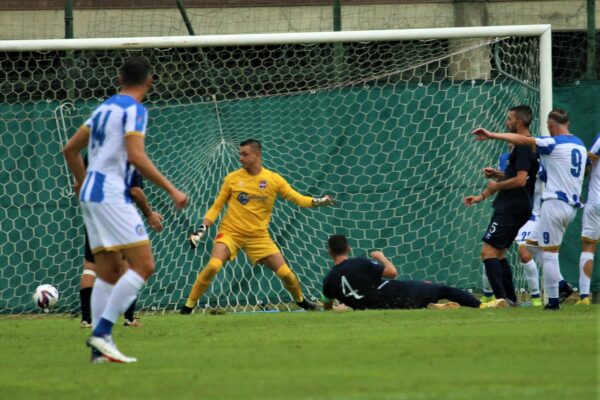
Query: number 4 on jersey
[(348, 291)]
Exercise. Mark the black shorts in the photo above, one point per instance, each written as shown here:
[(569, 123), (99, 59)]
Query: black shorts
[(89, 257), (503, 228)]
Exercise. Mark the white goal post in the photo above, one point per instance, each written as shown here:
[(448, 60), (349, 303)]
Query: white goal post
[(381, 119), (544, 32)]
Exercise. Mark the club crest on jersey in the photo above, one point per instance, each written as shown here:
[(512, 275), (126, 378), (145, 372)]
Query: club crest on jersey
[(140, 230), (262, 185), (243, 198)]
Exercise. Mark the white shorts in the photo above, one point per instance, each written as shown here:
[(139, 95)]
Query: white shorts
[(591, 223), (112, 227), (527, 232), (555, 217)]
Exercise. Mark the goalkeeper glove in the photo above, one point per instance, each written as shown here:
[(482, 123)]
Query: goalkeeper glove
[(197, 236), (326, 200)]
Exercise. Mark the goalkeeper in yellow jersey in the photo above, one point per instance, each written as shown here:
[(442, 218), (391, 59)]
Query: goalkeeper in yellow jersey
[(249, 193)]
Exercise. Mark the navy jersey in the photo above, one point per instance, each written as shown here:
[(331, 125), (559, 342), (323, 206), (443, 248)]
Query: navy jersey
[(518, 200), (355, 282)]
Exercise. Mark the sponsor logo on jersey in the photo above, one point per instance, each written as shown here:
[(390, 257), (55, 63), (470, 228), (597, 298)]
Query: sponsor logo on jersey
[(219, 236), (243, 198), (262, 185)]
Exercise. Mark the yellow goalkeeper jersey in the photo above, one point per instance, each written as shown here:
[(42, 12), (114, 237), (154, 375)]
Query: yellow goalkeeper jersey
[(250, 200)]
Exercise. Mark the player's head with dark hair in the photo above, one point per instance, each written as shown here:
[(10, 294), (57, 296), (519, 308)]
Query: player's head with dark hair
[(251, 155), (519, 117), (136, 71), (559, 116), (337, 245), (253, 143), (558, 121)]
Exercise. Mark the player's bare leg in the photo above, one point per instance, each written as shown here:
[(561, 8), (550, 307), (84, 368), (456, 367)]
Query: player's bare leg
[(220, 253), (277, 264)]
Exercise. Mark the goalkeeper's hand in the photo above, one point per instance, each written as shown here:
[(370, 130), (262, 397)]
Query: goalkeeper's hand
[(326, 200), (197, 236)]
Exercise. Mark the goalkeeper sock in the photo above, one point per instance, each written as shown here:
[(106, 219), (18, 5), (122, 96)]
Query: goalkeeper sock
[(586, 263), (290, 282), (85, 297), (100, 294), (124, 293), (203, 281)]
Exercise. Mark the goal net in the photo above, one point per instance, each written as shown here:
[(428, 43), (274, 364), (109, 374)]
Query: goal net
[(381, 120)]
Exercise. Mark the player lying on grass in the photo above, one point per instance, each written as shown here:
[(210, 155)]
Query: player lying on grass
[(250, 194), (363, 284)]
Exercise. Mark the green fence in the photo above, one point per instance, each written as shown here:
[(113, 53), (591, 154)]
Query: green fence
[(398, 167)]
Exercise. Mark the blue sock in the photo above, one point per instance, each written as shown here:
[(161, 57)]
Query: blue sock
[(488, 294), (535, 296), (104, 327), (553, 302), (583, 296)]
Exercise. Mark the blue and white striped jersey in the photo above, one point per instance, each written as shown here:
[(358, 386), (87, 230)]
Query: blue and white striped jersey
[(109, 174), (594, 186), (563, 158)]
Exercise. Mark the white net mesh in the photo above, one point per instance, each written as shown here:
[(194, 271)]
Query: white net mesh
[(383, 126)]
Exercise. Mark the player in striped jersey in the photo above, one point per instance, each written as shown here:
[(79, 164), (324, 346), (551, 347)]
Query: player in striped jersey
[(114, 136), (590, 233), (563, 156)]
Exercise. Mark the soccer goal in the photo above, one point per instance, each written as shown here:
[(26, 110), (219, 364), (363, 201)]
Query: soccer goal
[(380, 119)]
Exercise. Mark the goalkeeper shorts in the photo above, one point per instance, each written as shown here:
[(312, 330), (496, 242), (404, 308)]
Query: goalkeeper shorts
[(112, 227), (256, 247)]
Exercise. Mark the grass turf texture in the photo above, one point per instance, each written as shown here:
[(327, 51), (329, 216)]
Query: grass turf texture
[(522, 353)]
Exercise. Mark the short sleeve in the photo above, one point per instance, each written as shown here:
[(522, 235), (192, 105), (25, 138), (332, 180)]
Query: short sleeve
[(327, 293), (545, 144), (374, 269), (136, 120), (523, 158), (137, 180)]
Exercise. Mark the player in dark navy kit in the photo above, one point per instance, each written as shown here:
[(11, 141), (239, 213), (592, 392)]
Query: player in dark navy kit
[(88, 276), (512, 206), (363, 284)]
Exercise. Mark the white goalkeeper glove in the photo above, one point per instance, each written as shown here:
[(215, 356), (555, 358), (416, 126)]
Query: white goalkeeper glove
[(197, 236), (326, 200)]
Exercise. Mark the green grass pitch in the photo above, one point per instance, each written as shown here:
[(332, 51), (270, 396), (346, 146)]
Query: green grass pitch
[(522, 353)]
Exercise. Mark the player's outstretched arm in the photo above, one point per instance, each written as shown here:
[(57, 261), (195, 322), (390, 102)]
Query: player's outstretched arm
[(519, 140), (137, 156), (288, 193), (72, 151)]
